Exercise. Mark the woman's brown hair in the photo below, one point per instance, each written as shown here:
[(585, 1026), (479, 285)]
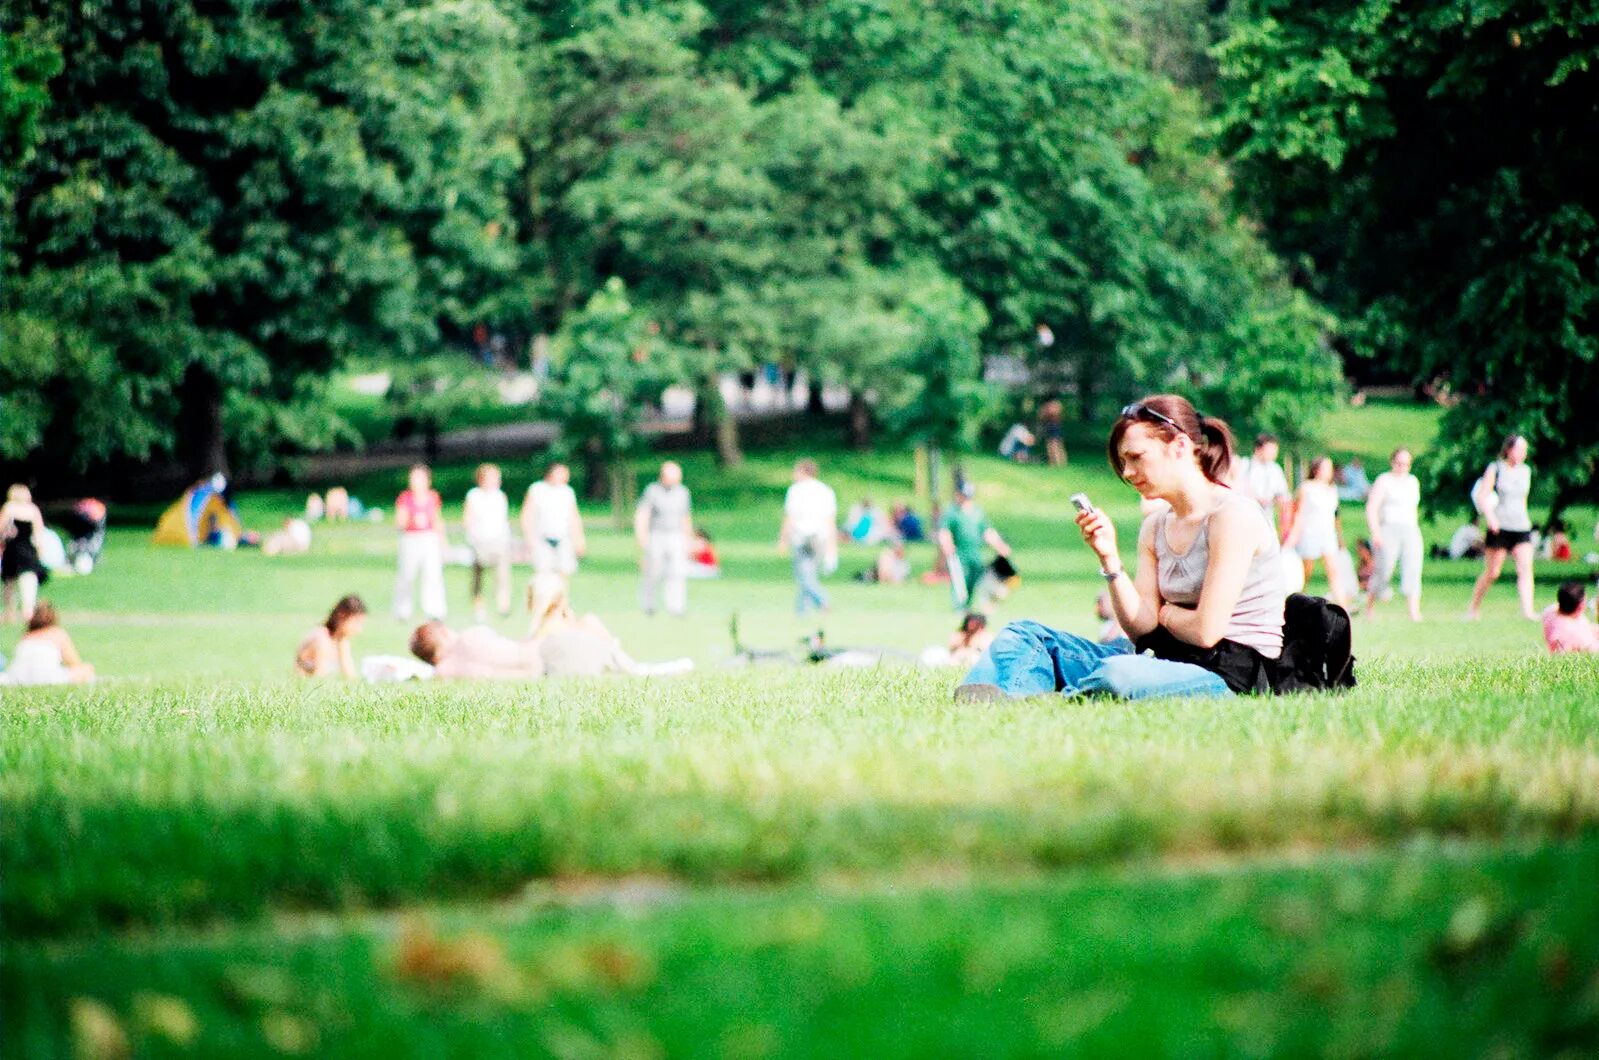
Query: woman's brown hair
[(44, 616), (1167, 416), (346, 609)]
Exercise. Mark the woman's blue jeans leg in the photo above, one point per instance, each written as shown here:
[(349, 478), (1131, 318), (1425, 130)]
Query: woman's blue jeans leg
[(1144, 677), (1030, 659)]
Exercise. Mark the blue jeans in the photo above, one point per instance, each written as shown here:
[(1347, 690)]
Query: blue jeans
[(807, 575), (1030, 659)]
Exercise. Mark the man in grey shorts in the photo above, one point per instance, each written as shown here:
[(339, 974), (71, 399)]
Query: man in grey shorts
[(663, 526)]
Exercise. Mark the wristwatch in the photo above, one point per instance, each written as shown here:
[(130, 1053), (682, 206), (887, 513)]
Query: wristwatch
[(1112, 575)]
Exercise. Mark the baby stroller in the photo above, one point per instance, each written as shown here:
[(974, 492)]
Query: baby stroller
[(84, 526)]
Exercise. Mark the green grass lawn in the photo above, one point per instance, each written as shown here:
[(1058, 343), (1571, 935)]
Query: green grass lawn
[(203, 857)]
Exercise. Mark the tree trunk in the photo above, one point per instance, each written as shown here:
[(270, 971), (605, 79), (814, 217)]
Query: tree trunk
[(596, 471), (624, 493), (201, 439), (715, 424), (813, 396), (858, 423)]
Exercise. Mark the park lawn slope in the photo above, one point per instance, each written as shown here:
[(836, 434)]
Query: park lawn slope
[(1432, 951), (166, 804)]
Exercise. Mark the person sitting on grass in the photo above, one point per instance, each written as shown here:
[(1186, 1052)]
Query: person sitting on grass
[(46, 655), (325, 651), (1565, 622), (1206, 594)]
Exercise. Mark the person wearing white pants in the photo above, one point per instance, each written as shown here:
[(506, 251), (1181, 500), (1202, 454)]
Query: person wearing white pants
[(663, 525), (419, 513), (1393, 514)]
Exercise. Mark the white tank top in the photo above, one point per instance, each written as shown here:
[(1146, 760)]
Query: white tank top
[(1401, 499), (1511, 486), (1257, 619), (1319, 505)]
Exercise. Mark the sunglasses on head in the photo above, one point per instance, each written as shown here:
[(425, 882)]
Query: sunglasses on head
[(1135, 410)]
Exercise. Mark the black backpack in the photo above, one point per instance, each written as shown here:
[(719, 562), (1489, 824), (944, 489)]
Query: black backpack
[(1318, 647)]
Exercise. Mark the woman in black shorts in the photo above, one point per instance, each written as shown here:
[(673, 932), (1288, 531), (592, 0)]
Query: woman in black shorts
[(1501, 497)]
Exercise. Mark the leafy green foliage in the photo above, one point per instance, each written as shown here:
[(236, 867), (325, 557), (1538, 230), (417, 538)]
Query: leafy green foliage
[(249, 194), (611, 365), (1435, 164)]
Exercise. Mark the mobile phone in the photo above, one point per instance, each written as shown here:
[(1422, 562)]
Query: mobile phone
[(1081, 502)]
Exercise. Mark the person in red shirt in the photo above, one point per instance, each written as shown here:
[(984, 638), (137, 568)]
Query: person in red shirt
[(419, 513), (1565, 624)]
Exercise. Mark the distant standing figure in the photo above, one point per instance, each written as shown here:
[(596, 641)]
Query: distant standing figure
[(337, 506), (46, 655), (486, 519), (419, 513), (21, 537), (810, 514), (1393, 513), (551, 523), (1051, 424), (325, 651), (1260, 477), (1353, 485), (663, 526), (1501, 496), (962, 533), (1565, 623), (1315, 533)]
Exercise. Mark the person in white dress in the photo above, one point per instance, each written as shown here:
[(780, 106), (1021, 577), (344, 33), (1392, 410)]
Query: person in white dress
[(487, 521), (1315, 534), (1393, 510), (551, 524), (1501, 496)]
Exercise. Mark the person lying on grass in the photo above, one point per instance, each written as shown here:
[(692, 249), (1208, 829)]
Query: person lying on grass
[(325, 651), (1207, 588), (562, 644), (576, 645)]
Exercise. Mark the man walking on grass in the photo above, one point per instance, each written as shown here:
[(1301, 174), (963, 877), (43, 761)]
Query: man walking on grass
[(810, 533), (962, 533), (663, 526)]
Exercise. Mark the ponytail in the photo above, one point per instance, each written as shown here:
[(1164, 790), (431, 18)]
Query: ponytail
[(1215, 448)]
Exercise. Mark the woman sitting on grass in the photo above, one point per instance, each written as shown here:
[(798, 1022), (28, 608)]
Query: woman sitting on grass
[(325, 651), (46, 655), (1207, 594)]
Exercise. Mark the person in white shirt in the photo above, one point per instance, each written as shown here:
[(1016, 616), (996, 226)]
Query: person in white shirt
[(663, 526), (551, 524), (1261, 478), (487, 518), (1501, 496), (1393, 514), (810, 515)]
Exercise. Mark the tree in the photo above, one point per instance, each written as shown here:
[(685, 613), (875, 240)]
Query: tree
[(1433, 165), (611, 365), (227, 199), (1067, 182)]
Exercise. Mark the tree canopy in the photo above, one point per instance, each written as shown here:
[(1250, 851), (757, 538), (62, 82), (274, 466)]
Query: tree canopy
[(1436, 167), (227, 200)]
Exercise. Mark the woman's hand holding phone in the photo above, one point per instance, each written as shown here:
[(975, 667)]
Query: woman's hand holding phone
[(1099, 534)]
